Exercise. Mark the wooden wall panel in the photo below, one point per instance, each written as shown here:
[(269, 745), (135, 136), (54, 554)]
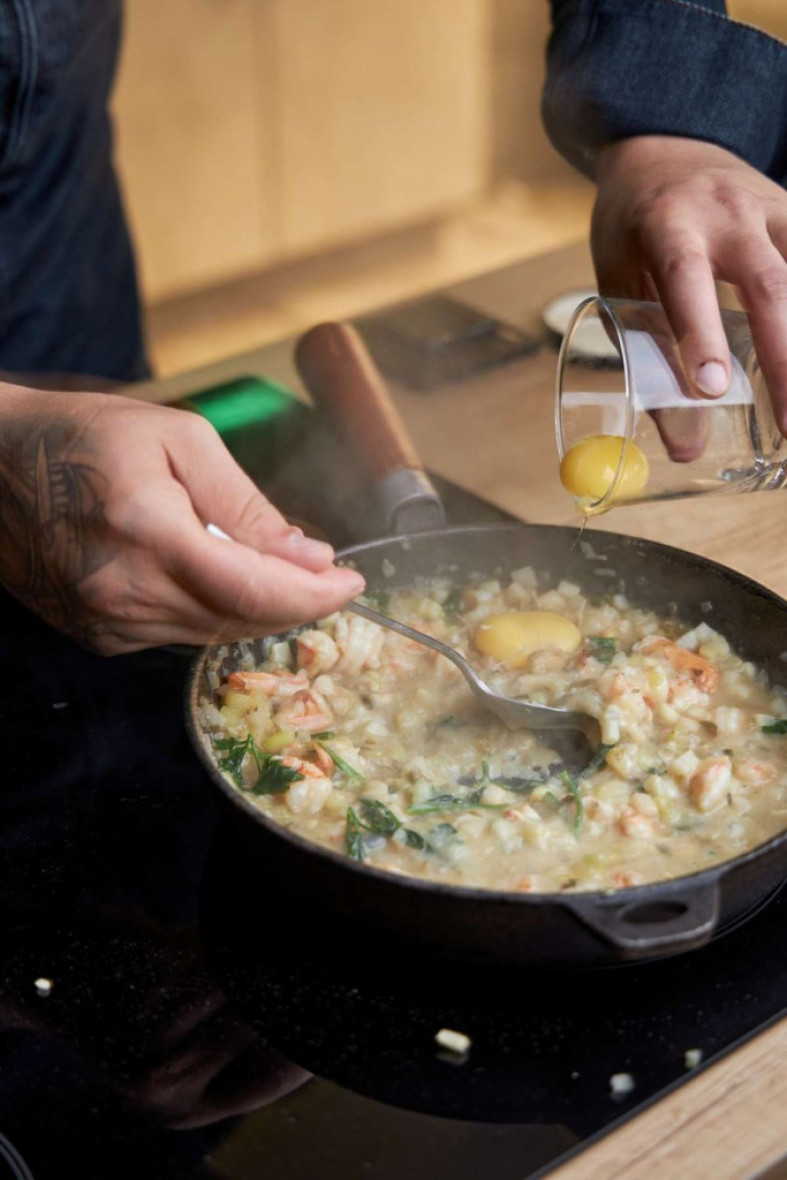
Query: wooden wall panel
[(384, 113), (520, 148), (190, 149), (770, 15)]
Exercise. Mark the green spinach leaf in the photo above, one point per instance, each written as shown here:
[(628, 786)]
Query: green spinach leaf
[(439, 836), (597, 761), (451, 722), (354, 837), (378, 818), (517, 784), (380, 599), (235, 752), (275, 778), (339, 762), (579, 815), (602, 648), (454, 604), (440, 803), (435, 840)]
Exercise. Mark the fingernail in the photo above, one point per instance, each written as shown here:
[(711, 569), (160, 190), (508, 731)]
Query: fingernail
[(712, 378), (307, 546), (355, 581)]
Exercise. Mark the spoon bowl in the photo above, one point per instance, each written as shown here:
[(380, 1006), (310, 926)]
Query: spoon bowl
[(513, 712)]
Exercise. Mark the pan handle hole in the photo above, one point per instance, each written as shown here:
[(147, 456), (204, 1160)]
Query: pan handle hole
[(655, 913)]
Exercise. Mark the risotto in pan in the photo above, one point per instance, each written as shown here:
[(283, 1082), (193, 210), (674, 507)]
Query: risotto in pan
[(371, 745)]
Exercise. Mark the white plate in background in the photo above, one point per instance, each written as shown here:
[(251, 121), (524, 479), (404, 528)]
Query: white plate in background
[(591, 340)]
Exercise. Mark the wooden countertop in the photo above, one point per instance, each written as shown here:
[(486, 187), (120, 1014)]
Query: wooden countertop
[(493, 435)]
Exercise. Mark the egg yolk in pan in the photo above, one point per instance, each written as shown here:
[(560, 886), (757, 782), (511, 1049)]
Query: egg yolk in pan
[(588, 468), (513, 636)]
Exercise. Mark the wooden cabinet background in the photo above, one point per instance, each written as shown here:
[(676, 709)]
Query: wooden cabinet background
[(769, 15), (250, 132), (254, 132), (382, 113), (187, 141)]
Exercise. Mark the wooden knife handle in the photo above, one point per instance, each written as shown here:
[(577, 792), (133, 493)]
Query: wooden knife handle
[(343, 380)]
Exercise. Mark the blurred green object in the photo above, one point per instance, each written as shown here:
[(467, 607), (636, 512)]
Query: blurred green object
[(266, 429), (244, 402)]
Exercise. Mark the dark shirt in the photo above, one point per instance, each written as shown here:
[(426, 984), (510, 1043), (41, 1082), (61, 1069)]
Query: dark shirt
[(68, 293), (618, 68)]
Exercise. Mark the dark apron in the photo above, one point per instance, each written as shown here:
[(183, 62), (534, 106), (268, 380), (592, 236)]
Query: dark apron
[(68, 292)]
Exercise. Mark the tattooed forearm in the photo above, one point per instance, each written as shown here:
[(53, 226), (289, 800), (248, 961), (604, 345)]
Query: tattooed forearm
[(54, 534)]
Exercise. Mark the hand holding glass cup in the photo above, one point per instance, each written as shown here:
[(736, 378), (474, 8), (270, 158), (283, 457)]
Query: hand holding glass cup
[(629, 426)]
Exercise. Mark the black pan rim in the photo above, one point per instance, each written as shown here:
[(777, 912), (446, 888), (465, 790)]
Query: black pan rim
[(727, 573)]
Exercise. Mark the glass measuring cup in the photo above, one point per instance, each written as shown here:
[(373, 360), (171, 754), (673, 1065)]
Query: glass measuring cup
[(620, 379)]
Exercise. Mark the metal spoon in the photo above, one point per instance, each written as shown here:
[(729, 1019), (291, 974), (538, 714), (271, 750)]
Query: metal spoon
[(514, 713)]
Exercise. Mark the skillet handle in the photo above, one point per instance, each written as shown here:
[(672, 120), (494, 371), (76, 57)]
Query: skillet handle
[(675, 917), (344, 382)]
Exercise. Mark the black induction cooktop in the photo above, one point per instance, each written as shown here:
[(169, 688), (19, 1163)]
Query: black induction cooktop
[(164, 1012)]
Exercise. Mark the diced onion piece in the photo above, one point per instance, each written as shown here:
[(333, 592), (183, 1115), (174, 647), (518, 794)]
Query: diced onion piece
[(621, 1083), (455, 1042)]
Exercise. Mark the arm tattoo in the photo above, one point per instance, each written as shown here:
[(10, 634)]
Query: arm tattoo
[(53, 529)]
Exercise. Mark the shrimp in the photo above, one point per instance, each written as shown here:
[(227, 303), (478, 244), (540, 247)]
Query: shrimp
[(753, 772), (310, 792), (624, 692), (342, 700), (524, 812), (305, 769), (625, 880), (702, 673), (309, 795), (642, 827), (406, 655), (270, 684), (307, 711), (598, 811), (360, 643), (709, 784), (323, 759), (316, 651), (612, 686)]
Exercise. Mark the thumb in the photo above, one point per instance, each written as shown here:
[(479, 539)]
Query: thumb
[(221, 493)]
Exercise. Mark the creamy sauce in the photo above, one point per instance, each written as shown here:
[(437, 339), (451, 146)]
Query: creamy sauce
[(371, 745)]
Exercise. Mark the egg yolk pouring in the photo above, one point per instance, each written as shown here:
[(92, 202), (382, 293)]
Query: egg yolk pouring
[(589, 467)]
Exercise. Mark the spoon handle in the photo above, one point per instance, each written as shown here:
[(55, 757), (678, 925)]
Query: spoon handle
[(450, 653), (508, 709)]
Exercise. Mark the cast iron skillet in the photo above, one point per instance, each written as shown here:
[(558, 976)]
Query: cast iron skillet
[(547, 929)]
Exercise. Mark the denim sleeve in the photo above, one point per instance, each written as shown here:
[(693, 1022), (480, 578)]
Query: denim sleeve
[(617, 68)]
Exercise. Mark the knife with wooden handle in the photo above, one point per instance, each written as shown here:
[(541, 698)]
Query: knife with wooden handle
[(344, 382)]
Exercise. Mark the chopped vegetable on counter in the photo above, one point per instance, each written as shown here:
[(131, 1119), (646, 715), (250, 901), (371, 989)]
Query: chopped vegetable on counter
[(456, 1043)]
